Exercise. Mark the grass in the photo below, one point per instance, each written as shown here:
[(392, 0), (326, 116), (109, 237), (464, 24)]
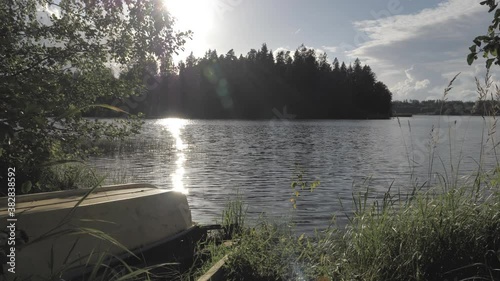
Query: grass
[(432, 237), (213, 249), (70, 176)]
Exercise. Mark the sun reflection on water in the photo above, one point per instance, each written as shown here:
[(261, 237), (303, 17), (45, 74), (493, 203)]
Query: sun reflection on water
[(175, 127)]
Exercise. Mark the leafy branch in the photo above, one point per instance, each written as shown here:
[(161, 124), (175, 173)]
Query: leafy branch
[(490, 41)]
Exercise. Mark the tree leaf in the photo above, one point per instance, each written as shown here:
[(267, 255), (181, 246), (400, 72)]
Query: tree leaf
[(470, 58), (473, 49), (492, 8), (489, 63), (484, 38), (494, 51)]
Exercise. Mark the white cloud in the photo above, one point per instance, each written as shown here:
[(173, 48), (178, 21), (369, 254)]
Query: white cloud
[(410, 85), (317, 51), (332, 49), (298, 31), (282, 49), (419, 85), (435, 41)]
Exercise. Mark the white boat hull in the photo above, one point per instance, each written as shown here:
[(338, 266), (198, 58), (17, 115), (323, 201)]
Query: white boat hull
[(136, 215)]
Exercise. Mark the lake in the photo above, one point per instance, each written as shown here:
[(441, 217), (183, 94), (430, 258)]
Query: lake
[(213, 160)]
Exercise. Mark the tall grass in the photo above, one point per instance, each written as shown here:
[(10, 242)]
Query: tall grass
[(446, 236), (213, 248), (71, 176)]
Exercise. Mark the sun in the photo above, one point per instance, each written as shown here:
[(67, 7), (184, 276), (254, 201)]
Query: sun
[(194, 15)]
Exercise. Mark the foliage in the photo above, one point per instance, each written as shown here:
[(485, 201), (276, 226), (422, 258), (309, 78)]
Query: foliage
[(432, 237), (233, 217), (70, 176), (491, 41), (436, 107), (218, 243), (299, 185), (59, 59)]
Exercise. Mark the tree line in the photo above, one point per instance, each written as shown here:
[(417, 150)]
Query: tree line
[(440, 107), (256, 85)]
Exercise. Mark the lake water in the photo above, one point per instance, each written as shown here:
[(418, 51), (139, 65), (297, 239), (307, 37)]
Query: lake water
[(213, 160)]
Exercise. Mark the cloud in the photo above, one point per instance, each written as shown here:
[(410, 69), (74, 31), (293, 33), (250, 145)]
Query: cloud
[(298, 31), (331, 49), (414, 53), (317, 51), (282, 49), (411, 85)]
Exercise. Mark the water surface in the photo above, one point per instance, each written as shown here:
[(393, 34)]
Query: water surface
[(212, 160)]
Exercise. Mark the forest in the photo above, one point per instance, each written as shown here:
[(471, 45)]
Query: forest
[(258, 85), (440, 107)]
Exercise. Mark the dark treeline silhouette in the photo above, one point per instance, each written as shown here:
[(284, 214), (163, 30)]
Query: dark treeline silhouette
[(258, 85), (439, 107)]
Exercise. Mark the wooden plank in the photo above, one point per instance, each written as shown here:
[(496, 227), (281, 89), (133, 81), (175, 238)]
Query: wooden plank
[(216, 272)]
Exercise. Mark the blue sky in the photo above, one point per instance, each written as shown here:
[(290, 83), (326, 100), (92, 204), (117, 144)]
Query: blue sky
[(415, 47)]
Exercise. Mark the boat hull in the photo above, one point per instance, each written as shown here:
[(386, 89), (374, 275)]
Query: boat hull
[(62, 237)]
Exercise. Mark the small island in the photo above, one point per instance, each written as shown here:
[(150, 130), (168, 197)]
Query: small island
[(259, 86)]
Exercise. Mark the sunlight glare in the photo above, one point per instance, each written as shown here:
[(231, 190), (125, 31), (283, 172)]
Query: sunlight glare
[(194, 15), (175, 127)]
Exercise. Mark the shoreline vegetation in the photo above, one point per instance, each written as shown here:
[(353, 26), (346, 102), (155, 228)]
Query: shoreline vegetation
[(444, 107), (438, 234)]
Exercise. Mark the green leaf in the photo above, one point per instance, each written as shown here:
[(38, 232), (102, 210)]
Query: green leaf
[(492, 8), (473, 49), (483, 38), (471, 58), (26, 187), (489, 62)]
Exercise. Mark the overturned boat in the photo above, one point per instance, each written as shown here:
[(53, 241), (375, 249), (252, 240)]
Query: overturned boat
[(61, 233)]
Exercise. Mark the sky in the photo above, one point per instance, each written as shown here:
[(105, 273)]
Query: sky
[(415, 47)]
